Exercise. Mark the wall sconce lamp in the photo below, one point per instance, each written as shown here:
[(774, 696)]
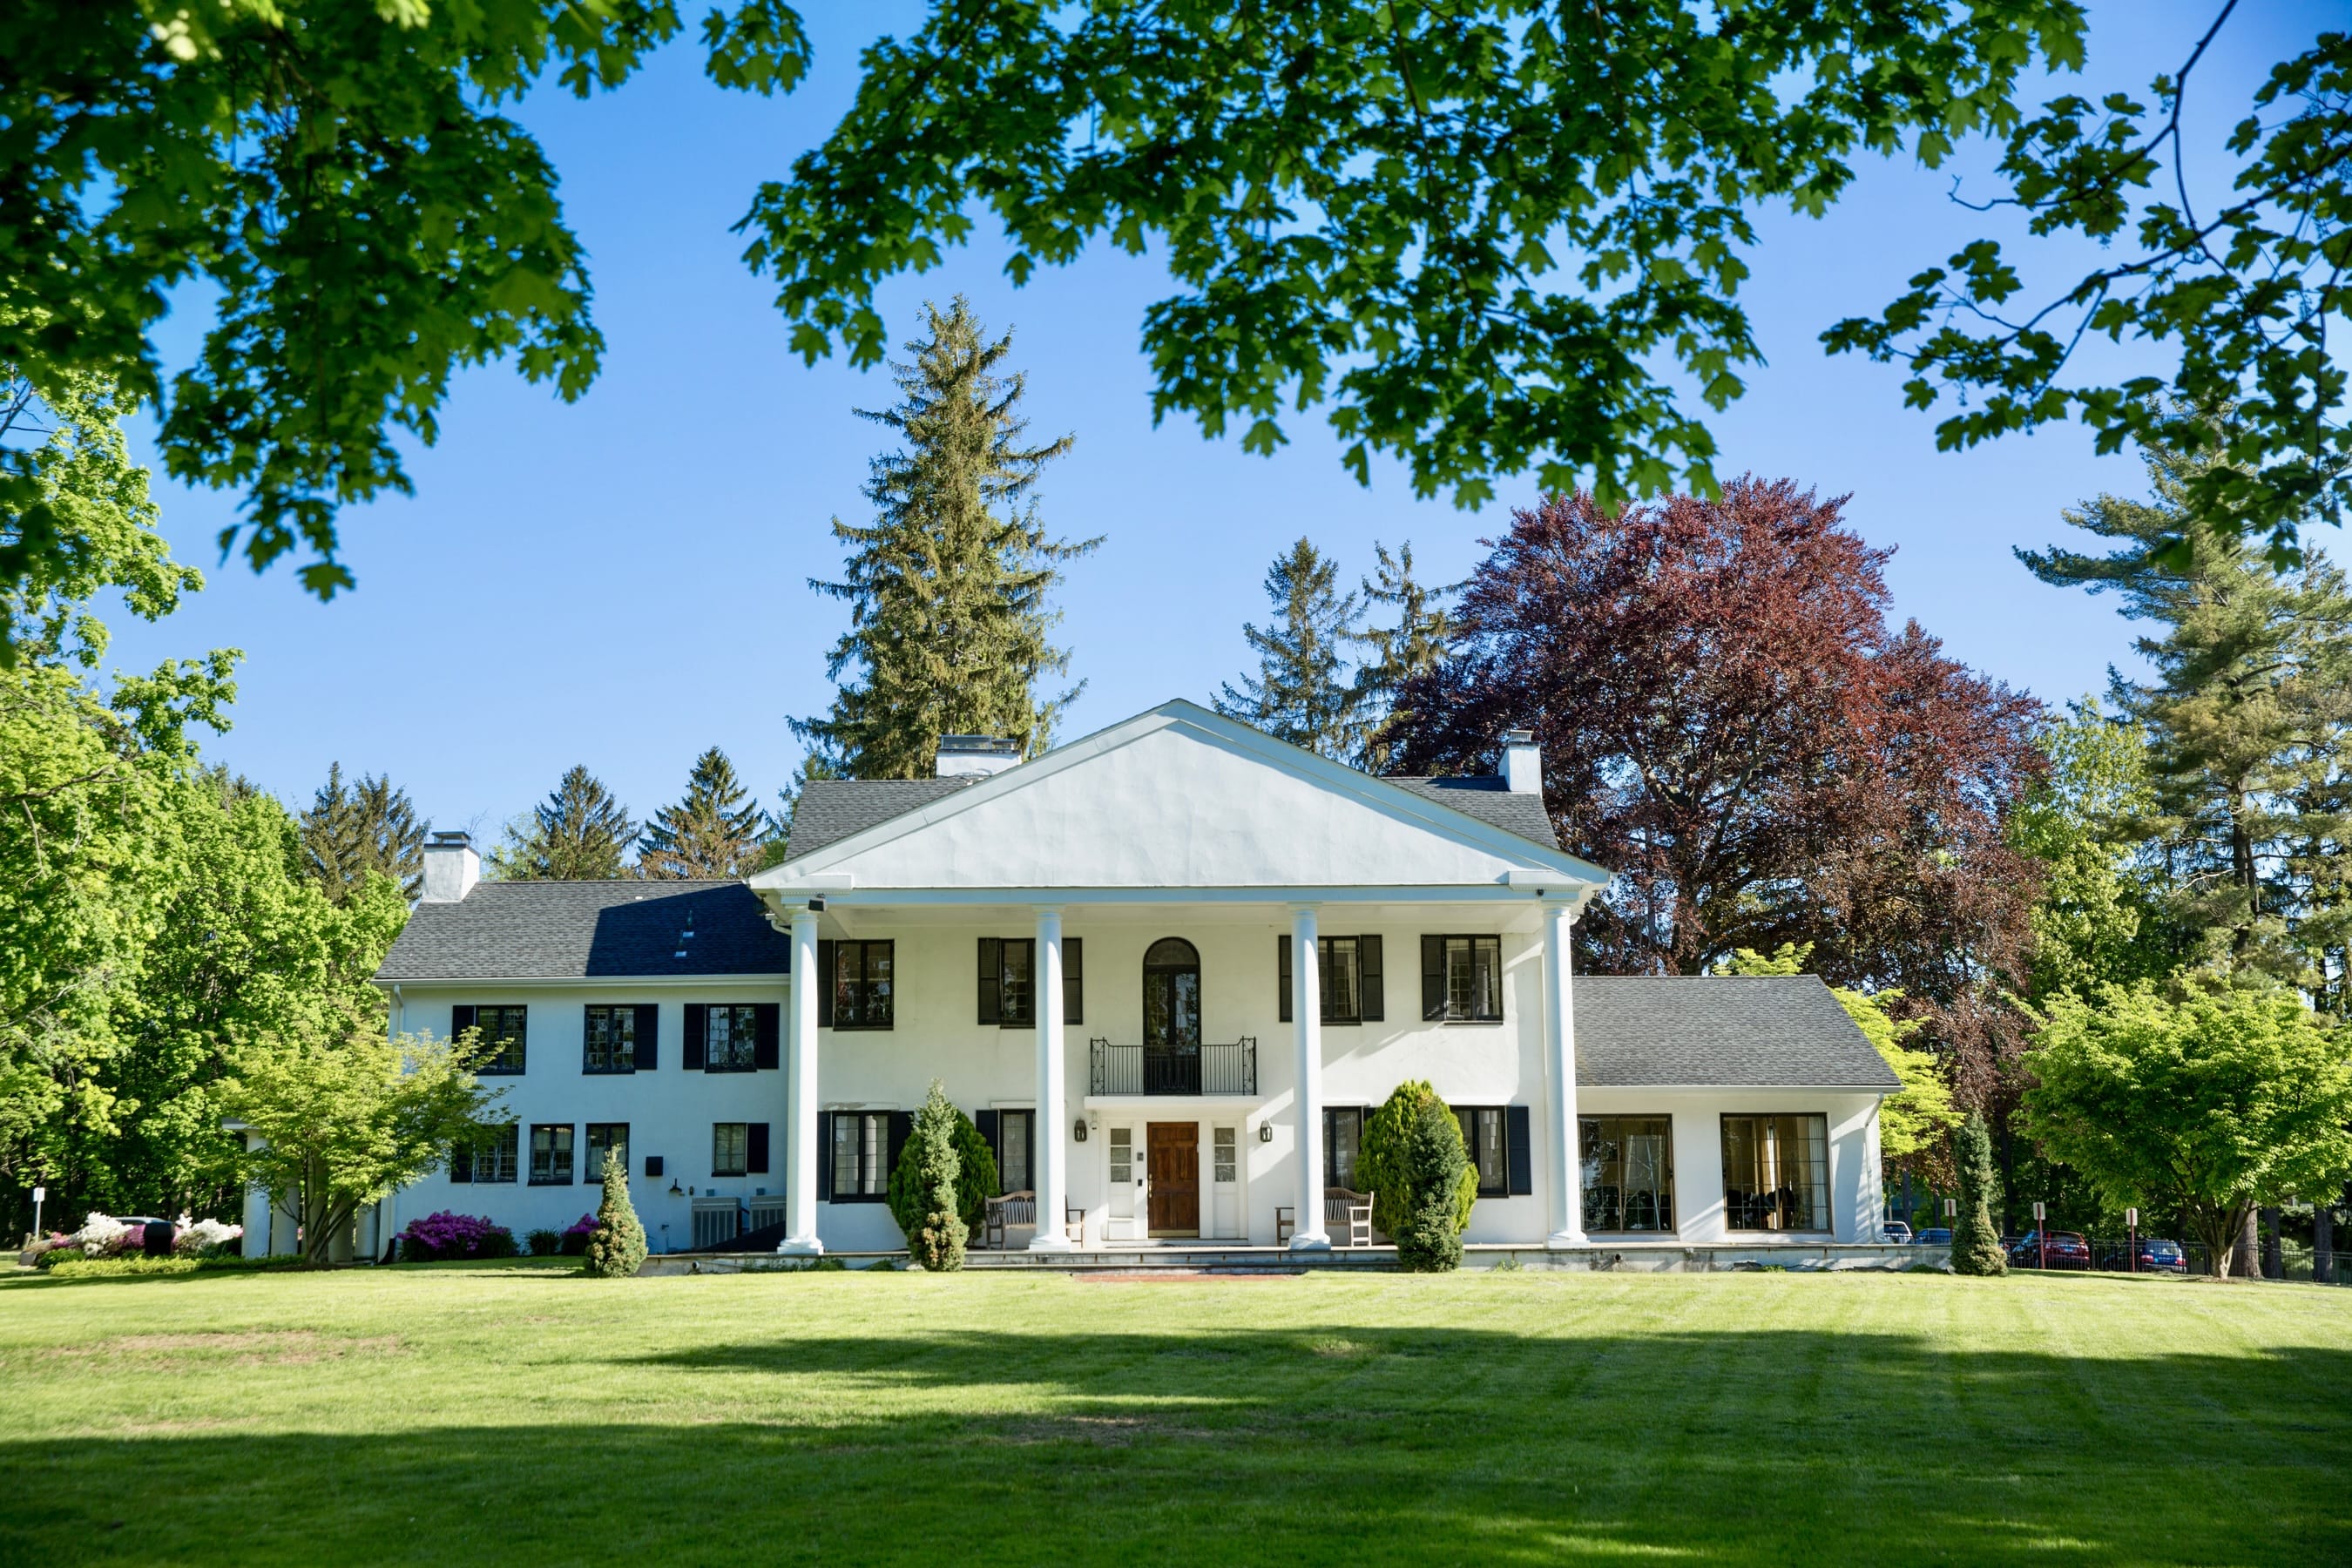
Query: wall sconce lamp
[(1265, 1132), (1079, 1129), (674, 1189)]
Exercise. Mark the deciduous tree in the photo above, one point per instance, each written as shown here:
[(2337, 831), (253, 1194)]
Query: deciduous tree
[(949, 587), (1301, 693)]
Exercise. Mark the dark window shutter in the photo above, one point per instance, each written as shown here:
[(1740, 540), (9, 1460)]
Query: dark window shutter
[(1432, 978), (825, 1156), (460, 1020), (755, 1149), (765, 1049), (1029, 1136), (902, 1130), (648, 1035), (1282, 977), (1367, 974), (991, 980), (989, 1122), (461, 1159), (1522, 1158), (1074, 980), (824, 977), (653, 1164), (698, 1021)]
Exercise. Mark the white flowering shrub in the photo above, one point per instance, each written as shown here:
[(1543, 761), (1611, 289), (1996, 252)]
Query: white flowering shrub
[(102, 1236), (205, 1236)]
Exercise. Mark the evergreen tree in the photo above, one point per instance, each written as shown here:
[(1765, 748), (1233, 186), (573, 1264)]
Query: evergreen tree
[(616, 1247), (580, 833), (949, 586), (718, 830), (368, 826), (1431, 1241), (1410, 646), (937, 1239), (1300, 693), (1976, 1240), (2246, 721)]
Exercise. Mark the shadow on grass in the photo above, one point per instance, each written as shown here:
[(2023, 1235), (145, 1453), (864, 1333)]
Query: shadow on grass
[(1241, 1444)]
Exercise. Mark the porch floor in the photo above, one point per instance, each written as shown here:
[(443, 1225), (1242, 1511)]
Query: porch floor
[(1241, 1257)]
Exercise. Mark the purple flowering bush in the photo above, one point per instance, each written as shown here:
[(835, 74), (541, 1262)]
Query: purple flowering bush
[(446, 1235), (576, 1239)]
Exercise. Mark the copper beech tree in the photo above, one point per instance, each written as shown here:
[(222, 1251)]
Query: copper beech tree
[(1729, 723)]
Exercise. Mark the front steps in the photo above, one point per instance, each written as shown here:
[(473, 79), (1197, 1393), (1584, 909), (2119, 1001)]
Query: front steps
[(1239, 1257)]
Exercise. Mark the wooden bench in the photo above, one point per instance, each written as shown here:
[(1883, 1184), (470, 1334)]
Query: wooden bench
[(1011, 1209), (1345, 1215)]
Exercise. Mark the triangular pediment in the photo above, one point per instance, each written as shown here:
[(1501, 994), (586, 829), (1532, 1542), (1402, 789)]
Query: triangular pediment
[(1181, 797)]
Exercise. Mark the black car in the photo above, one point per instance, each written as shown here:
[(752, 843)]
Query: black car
[(2064, 1250), (1940, 1236)]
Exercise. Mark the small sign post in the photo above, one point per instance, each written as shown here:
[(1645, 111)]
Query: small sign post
[(2040, 1236), (38, 1193), (2131, 1227)]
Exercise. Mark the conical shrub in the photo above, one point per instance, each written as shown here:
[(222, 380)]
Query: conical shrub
[(1431, 1239), (616, 1247), (1976, 1240)]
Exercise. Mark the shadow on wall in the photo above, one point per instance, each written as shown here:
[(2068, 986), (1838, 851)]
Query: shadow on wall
[(1342, 1445)]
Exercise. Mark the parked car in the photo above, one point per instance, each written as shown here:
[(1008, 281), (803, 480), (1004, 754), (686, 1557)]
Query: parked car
[(1940, 1236), (2064, 1250), (2155, 1256), (1895, 1232)]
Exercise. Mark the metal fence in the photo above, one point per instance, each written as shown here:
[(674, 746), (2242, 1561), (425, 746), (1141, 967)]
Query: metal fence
[(2072, 1250)]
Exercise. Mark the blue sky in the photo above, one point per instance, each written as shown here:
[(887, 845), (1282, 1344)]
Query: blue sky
[(622, 580)]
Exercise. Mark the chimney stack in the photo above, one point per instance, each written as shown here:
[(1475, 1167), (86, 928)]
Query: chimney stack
[(451, 867), (976, 756), (1522, 762)]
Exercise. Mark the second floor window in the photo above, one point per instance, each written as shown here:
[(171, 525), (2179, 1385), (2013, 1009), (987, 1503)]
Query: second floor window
[(502, 1037), (862, 986), (612, 1039), (1348, 978), (731, 1037), (1462, 979)]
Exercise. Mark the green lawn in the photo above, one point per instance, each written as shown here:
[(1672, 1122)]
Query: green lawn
[(519, 1414)]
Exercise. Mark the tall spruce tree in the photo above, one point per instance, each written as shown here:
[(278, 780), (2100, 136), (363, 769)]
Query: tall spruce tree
[(718, 830), (580, 833), (367, 825), (949, 586), (1411, 644), (1301, 693), (2247, 719)]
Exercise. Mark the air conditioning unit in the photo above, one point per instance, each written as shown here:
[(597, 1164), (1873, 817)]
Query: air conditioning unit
[(767, 1210), (717, 1221)]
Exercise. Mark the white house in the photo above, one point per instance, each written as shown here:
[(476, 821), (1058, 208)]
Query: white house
[(1167, 969)]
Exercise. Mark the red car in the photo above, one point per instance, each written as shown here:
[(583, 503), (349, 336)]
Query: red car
[(2063, 1248)]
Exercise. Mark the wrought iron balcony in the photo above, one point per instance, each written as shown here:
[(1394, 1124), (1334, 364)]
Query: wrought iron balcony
[(1225, 1068)]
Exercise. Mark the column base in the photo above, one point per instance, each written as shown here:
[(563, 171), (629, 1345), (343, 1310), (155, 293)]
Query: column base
[(1309, 1241), (800, 1247), (1052, 1244), (1561, 1240)]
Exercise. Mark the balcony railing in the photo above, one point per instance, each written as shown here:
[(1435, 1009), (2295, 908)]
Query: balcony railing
[(1173, 1069)]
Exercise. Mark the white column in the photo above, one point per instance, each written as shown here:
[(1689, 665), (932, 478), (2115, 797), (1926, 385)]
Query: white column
[(1053, 1184), (258, 1239), (1567, 1197), (801, 1126), (1306, 1025)]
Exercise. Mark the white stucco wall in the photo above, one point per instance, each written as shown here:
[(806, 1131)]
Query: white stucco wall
[(935, 1034)]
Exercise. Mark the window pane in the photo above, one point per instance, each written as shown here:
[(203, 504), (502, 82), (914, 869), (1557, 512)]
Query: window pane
[(1013, 1159), (1459, 997), (1340, 985), (1487, 976), (1122, 1155), (1494, 1177), (1014, 989), (1776, 1173), (727, 1140), (1224, 1161), (1345, 1128), (878, 983), (874, 1177), (1627, 1173), (844, 1154), (603, 1137)]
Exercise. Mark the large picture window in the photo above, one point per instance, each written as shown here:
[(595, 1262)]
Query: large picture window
[(604, 1138), (863, 985), (1628, 1173), (612, 1040), (489, 1156), (1776, 1173), (1485, 1139), (550, 1154), (861, 1149), (1462, 979), (731, 1037)]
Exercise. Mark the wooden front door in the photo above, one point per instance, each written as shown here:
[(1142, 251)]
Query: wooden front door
[(1173, 1156)]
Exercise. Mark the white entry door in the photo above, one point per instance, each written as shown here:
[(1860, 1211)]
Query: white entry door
[(1125, 1182)]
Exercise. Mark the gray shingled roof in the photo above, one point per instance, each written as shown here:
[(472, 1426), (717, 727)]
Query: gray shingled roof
[(1489, 800), (830, 810), (574, 930), (1736, 1031)]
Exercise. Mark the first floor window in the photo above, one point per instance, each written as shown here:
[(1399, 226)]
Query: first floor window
[(1015, 1136), (487, 1156), (861, 1146), (607, 1139), (1776, 1172), (612, 1039), (1343, 1137), (1224, 1156), (1482, 1139), (502, 1039), (863, 974), (729, 1147), (730, 1038), (550, 1154), (1628, 1170), (1462, 979)]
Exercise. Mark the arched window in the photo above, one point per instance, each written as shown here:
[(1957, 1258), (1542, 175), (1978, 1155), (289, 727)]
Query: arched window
[(1171, 997)]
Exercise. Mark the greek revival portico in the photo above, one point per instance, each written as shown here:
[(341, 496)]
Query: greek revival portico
[(1183, 829)]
